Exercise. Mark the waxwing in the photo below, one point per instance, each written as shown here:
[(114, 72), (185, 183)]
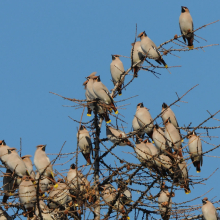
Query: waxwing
[(158, 137), (45, 211), (42, 162), (8, 185), (150, 49), (186, 26), (126, 196), (77, 179), (109, 194), (147, 154), (195, 150), (182, 175), (15, 163), (115, 135), (103, 93), (3, 214), (137, 55), (165, 163), (117, 69), (168, 113), (90, 96), (208, 210), (144, 119), (84, 143), (165, 202), (29, 165), (58, 196), (136, 127), (45, 183), (173, 137), (27, 194), (3, 151)]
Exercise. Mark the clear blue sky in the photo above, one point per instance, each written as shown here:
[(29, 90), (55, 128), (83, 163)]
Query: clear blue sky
[(53, 45)]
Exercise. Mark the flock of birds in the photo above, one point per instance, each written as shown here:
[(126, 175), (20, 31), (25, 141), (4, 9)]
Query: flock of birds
[(162, 155)]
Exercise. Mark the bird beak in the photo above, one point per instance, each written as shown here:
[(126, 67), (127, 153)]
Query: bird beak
[(44, 147)]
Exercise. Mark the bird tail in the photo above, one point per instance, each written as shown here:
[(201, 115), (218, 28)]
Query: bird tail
[(114, 108), (119, 90), (190, 43), (197, 165), (87, 157), (136, 69), (163, 62), (89, 111)]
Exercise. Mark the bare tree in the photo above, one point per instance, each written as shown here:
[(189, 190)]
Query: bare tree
[(141, 182)]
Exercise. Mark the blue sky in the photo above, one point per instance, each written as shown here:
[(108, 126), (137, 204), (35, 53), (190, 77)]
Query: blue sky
[(53, 45)]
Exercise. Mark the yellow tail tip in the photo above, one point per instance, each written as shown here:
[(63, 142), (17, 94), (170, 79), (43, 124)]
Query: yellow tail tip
[(191, 47), (52, 174), (182, 140), (198, 171), (10, 194), (108, 121), (128, 217), (153, 142), (116, 112), (120, 94), (56, 185), (166, 66), (188, 192), (76, 204), (89, 115), (43, 195)]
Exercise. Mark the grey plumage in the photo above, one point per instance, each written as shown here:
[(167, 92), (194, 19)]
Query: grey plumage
[(29, 165), (158, 137), (208, 210), (3, 151)]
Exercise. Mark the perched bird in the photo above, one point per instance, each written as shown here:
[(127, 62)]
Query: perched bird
[(84, 143), (8, 185), (165, 202), (45, 211), (58, 196), (137, 55), (43, 164), (208, 210), (3, 151), (165, 163), (186, 26), (115, 135), (125, 193), (45, 183), (91, 96), (150, 49), (109, 195), (173, 137), (144, 119), (103, 93), (76, 180), (158, 137), (29, 165), (168, 113), (15, 163), (117, 69), (27, 194), (195, 150), (136, 127)]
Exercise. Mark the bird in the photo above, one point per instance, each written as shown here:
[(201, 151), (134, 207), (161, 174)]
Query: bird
[(45, 211), (186, 26), (109, 195), (165, 202), (15, 163), (168, 113), (76, 180), (173, 137), (150, 49), (117, 69), (208, 210), (43, 164), (29, 165), (137, 55), (103, 93), (27, 194), (144, 119), (58, 196), (45, 183), (136, 127), (195, 150), (159, 139), (8, 185), (115, 136), (84, 143), (3, 151), (91, 96), (125, 192)]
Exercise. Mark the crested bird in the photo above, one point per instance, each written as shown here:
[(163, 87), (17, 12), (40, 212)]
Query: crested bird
[(137, 55), (117, 69), (42, 163), (195, 150), (115, 135), (150, 49), (103, 93), (3, 151), (186, 26), (208, 210), (84, 143), (144, 119), (27, 194), (29, 165)]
